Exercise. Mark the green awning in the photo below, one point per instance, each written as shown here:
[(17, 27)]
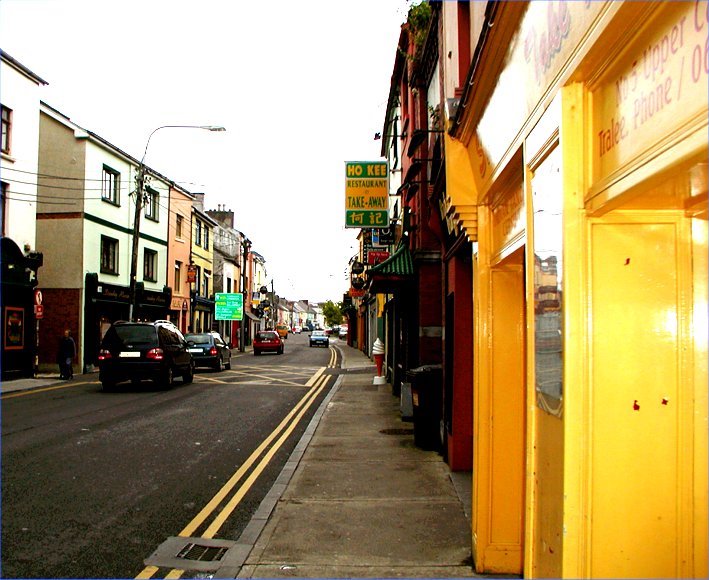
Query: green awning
[(392, 273)]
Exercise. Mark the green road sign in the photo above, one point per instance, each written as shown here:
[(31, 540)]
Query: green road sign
[(229, 306)]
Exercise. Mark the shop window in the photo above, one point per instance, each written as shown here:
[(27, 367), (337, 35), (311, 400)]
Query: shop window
[(111, 185), (109, 255), (150, 259), (547, 203)]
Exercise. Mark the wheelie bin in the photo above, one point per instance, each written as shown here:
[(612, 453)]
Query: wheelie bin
[(427, 398)]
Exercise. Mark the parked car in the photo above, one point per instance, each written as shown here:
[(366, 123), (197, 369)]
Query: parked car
[(137, 351), (319, 338), (209, 350), (297, 329), (282, 330), (267, 341), (342, 333)]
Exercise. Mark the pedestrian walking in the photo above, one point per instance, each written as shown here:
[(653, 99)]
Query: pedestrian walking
[(65, 355)]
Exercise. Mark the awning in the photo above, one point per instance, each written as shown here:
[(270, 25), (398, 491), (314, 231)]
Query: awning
[(391, 274), (252, 316)]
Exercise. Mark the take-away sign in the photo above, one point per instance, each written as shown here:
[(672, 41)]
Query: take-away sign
[(366, 194)]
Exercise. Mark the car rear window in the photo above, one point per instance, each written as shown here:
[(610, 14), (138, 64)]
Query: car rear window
[(266, 335), (137, 335), (199, 338)]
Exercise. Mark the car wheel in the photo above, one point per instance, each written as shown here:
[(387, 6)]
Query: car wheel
[(227, 366), (168, 378), (219, 365), (257, 352), (188, 377), (280, 350), (108, 386)]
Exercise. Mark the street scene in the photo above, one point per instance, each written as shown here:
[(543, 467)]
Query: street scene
[(94, 482), (394, 288)]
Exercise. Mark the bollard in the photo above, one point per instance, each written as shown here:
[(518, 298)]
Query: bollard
[(378, 354)]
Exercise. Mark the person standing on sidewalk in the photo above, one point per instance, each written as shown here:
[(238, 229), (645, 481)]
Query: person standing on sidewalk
[(65, 355)]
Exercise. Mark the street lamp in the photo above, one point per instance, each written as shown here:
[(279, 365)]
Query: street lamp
[(139, 193)]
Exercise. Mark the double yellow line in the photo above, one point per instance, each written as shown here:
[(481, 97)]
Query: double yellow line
[(316, 383)]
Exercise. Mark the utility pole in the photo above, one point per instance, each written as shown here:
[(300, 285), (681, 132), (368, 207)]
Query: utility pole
[(139, 194), (140, 186)]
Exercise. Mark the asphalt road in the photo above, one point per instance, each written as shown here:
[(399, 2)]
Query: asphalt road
[(94, 482)]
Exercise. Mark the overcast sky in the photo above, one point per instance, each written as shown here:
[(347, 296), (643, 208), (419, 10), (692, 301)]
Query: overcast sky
[(301, 87)]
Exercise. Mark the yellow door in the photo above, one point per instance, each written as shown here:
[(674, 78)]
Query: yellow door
[(641, 396), (499, 443)]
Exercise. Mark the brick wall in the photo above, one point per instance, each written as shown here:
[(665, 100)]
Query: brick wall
[(61, 311)]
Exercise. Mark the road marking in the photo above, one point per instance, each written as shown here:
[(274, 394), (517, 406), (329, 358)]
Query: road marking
[(287, 425), (43, 390), (266, 377), (218, 522)]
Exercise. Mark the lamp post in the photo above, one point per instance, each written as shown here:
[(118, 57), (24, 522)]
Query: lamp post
[(245, 246), (139, 194)]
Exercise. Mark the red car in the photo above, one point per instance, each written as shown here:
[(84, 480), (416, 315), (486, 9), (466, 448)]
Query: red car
[(268, 341)]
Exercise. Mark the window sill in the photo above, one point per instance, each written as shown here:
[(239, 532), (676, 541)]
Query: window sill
[(7, 157)]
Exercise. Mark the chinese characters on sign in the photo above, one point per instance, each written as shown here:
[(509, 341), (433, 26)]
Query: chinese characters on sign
[(366, 194)]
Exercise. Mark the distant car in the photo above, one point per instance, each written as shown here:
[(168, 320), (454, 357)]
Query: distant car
[(319, 338), (267, 341), (297, 329), (209, 350), (136, 351), (342, 333), (282, 330)]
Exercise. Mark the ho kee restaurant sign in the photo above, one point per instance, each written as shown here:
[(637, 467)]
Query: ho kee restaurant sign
[(366, 194)]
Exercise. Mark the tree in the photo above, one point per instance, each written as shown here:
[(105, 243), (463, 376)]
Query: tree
[(332, 313)]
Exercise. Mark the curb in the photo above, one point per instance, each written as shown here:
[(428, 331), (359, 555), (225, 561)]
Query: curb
[(235, 557)]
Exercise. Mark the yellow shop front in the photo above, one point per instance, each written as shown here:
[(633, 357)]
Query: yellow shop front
[(590, 290)]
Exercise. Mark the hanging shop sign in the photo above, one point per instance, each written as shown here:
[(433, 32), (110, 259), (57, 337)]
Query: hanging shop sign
[(366, 194), (376, 256)]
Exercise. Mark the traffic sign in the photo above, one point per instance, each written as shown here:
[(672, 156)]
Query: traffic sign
[(38, 311), (229, 306)]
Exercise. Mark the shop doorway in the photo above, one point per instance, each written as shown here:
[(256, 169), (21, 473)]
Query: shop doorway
[(499, 449)]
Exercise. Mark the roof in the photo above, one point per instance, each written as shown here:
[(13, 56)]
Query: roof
[(22, 68), (398, 264), (393, 273)]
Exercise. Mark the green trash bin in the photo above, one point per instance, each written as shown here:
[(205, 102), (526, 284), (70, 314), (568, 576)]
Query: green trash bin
[(427, 398)]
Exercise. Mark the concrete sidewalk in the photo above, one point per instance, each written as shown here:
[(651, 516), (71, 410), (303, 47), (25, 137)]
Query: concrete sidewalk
[(357, 498)]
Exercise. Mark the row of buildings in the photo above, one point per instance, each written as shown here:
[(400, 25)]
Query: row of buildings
[(548, 183), (68, 207)]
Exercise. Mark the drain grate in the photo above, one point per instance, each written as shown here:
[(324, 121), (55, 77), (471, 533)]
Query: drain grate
[(199, 554), (202, 553)]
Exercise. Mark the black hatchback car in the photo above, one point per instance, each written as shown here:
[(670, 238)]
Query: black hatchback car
[(209, 350), (136, 351)]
